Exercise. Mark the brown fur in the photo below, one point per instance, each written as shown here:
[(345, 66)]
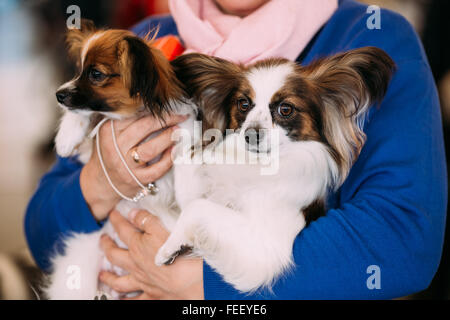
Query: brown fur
[(237, 117), (343, 83), (314, 211), (211, 83), (75, 39), (136, 74)]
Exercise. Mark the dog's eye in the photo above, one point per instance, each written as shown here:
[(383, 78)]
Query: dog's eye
[(285, 109), (243, 105), (96, 76)]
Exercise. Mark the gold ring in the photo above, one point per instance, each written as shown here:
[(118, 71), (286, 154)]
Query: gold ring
[(135, 156), (143, 223)]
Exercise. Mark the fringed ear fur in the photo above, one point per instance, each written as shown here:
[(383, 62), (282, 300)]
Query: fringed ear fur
[(348, 84), (76, 37), (149, 76), (211, 83)]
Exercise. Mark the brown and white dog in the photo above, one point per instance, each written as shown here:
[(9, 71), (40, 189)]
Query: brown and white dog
[(243, 223), (119, 76), (308, 118)]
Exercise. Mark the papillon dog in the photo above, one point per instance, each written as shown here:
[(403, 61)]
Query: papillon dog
[(119, 76), (308, 119)]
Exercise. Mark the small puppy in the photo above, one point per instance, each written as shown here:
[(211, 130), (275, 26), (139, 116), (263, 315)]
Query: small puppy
[(120, 76), (309, 118)]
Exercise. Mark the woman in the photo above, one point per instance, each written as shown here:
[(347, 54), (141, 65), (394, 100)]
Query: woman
[(382, 235)]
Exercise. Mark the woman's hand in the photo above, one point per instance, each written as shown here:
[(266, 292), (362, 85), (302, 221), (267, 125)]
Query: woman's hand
[(96, 190), (181, 280)]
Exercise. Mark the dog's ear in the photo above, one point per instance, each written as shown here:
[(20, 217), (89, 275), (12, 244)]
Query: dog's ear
[(211, 82), (75, 38), (348, 84), (148, 75)]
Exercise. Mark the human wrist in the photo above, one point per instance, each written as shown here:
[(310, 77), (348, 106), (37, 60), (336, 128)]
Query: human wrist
[(195, 290), (100, 200)]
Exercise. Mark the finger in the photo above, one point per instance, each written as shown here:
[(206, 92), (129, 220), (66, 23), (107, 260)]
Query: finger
[(124, 229), (121, 125), (149, 292), (148, 223), (154, 147), (115, 255), (122, 284), (142, 296), (157, 169), (142, 128)]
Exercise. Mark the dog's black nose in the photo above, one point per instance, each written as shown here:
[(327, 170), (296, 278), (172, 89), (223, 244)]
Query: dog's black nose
[(253, 136), (61, 96)]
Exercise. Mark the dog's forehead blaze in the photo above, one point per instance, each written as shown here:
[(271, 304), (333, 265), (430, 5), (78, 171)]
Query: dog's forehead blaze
[(262, 80), (295, 90), (286, 85), (103, 47)]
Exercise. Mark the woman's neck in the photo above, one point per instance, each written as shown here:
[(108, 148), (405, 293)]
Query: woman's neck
[(227, 7)]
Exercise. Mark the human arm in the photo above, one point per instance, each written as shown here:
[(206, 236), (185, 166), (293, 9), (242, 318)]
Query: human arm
[(56, 208)]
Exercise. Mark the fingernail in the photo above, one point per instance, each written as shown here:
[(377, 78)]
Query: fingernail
[(132, 214)]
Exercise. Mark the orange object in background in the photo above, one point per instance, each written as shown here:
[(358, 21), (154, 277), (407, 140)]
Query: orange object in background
[(170, 45)]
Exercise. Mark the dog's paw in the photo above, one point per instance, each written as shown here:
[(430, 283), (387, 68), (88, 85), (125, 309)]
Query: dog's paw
[(64, 150), (169, 252), (71, 133), (66, 142)]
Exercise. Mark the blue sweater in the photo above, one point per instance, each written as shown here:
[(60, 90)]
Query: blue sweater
[(390, 212)]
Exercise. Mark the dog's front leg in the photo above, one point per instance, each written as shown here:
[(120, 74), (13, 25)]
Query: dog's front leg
[(71, 133), (197, 227), (248, 253)]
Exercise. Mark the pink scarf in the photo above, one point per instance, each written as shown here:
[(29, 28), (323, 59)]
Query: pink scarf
[(279, 28)]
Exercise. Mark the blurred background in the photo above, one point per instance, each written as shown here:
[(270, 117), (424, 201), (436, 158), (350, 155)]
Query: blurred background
[(33, 64)]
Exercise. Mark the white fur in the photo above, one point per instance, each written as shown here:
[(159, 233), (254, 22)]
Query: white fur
[(265, 82), (88, 44), (71, 133), (241, 222)]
